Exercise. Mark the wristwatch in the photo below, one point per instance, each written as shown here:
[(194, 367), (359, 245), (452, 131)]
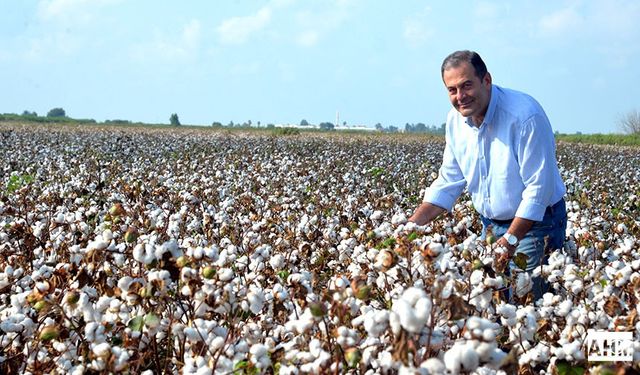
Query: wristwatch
[(511, 239)]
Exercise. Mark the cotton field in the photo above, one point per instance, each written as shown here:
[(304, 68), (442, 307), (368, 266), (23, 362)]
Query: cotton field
[(147, 250)]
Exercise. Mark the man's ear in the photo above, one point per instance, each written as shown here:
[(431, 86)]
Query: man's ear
[(487, 79)]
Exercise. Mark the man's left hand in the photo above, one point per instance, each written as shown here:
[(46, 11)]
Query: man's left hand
[(503, 242)]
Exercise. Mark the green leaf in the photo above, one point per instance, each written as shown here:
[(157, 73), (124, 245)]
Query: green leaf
[(565, 368), (603, 282), (376, 171), (284, 274), (136, 323), (521, 260), (412, 236), (151, 320), (241, 365)]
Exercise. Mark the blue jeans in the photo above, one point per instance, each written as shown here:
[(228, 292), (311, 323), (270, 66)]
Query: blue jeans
[(553, 226)]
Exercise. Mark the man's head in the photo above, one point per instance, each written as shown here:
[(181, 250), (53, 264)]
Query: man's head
[(469, 84)]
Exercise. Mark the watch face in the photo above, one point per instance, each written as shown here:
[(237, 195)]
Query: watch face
[(511, 239)]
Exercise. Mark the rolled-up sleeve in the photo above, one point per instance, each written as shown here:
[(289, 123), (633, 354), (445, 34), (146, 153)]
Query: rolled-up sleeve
[(536, 153), (450, 183)]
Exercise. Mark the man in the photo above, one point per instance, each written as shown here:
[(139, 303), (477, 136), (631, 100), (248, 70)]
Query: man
[(499, 144)]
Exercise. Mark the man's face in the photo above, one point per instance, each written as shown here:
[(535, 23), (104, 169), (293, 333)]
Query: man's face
[(469, 94)]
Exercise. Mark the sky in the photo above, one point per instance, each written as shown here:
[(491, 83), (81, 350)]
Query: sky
[(281, 61)]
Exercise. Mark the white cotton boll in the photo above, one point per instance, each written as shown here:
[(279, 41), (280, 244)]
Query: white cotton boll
[(398, 219), (469, 358), (572, 350), (107, 235), (433, 366), (476, 277), (407, 317), (412, 295), (376, 215), (423, 309), (484, 350), (256, 300), (102, 350), (488, 334), (576, 286), (258, 350), (394, 323), (547, 299), (496, 357), (98, 244), (461, 356), (277, 262), (447, 290), (192, 334), (435, 248), (523, 284), (564, 308), (225, 274)]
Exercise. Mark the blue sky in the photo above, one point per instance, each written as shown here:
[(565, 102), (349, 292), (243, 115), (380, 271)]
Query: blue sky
[(281, 61)]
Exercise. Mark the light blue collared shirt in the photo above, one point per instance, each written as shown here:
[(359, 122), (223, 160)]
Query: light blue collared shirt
[(508, 164)]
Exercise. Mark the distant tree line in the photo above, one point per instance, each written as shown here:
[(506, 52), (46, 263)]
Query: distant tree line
[(54, 115)]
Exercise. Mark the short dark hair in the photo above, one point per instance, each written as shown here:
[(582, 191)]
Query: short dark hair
[(458, 57)]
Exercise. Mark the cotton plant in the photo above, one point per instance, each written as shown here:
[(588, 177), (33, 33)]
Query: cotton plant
[(145, 251)]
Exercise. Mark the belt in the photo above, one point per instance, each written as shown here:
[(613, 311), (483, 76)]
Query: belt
[(548, 210)]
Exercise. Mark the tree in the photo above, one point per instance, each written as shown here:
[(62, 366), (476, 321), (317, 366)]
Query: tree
[(56, 112), (326, 126), (379, 127), (304, 123), (27, 113), (408, 128), (420, 128), (174, 120), (216, 124), (630, 123)]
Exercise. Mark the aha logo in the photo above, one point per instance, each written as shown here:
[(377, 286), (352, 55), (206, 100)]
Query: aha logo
[(609, 346)]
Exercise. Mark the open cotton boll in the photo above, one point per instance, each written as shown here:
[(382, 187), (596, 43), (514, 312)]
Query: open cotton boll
[(433, 366), (399, 219), (144, 253), (413, 309), (277, 262), (256, 300), (476, 277), (523, 284), (564, 308), (102, 350), (461, 356)]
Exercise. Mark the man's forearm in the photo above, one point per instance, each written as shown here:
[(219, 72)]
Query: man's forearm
[(519, 228), (426, 213)]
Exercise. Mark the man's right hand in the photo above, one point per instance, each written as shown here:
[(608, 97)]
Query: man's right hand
[(425, 213)]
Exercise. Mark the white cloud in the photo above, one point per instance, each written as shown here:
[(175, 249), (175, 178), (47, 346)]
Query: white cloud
[(316, 23), (78, 11), (486, 10), (238, 30), (308, 38), (562, 22), (416, 29), (185, 47)]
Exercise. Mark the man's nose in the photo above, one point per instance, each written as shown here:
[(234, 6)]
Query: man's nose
[(461, 95)]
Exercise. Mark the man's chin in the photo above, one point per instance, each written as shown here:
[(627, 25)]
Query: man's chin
[(466, 112)]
